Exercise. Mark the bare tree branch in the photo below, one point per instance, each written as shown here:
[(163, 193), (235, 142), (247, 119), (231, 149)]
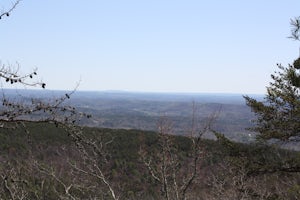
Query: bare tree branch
[(93, 153), (7, 13), (175, 175), (52, 174)]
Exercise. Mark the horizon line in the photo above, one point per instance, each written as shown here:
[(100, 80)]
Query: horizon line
[(138, 91)]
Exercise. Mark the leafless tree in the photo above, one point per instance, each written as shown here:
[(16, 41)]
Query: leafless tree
[(94, 164), (21, 109), (17, 111), (175, 174), (230, 181)]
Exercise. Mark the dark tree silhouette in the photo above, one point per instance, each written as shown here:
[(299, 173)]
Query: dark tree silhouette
[(278, 116)]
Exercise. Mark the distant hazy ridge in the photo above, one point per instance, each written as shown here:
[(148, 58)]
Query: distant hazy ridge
[(117, 109)]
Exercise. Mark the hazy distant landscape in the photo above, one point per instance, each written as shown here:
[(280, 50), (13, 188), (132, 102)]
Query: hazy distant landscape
[(128, 110), (143, 111)]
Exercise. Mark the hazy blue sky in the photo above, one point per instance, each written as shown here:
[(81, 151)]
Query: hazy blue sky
[(151, 45)]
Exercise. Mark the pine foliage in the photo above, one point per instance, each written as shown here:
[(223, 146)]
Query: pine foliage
[(278, 116)]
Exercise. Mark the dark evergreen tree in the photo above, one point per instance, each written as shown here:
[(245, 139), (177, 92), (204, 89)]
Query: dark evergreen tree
[(278, 116)]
